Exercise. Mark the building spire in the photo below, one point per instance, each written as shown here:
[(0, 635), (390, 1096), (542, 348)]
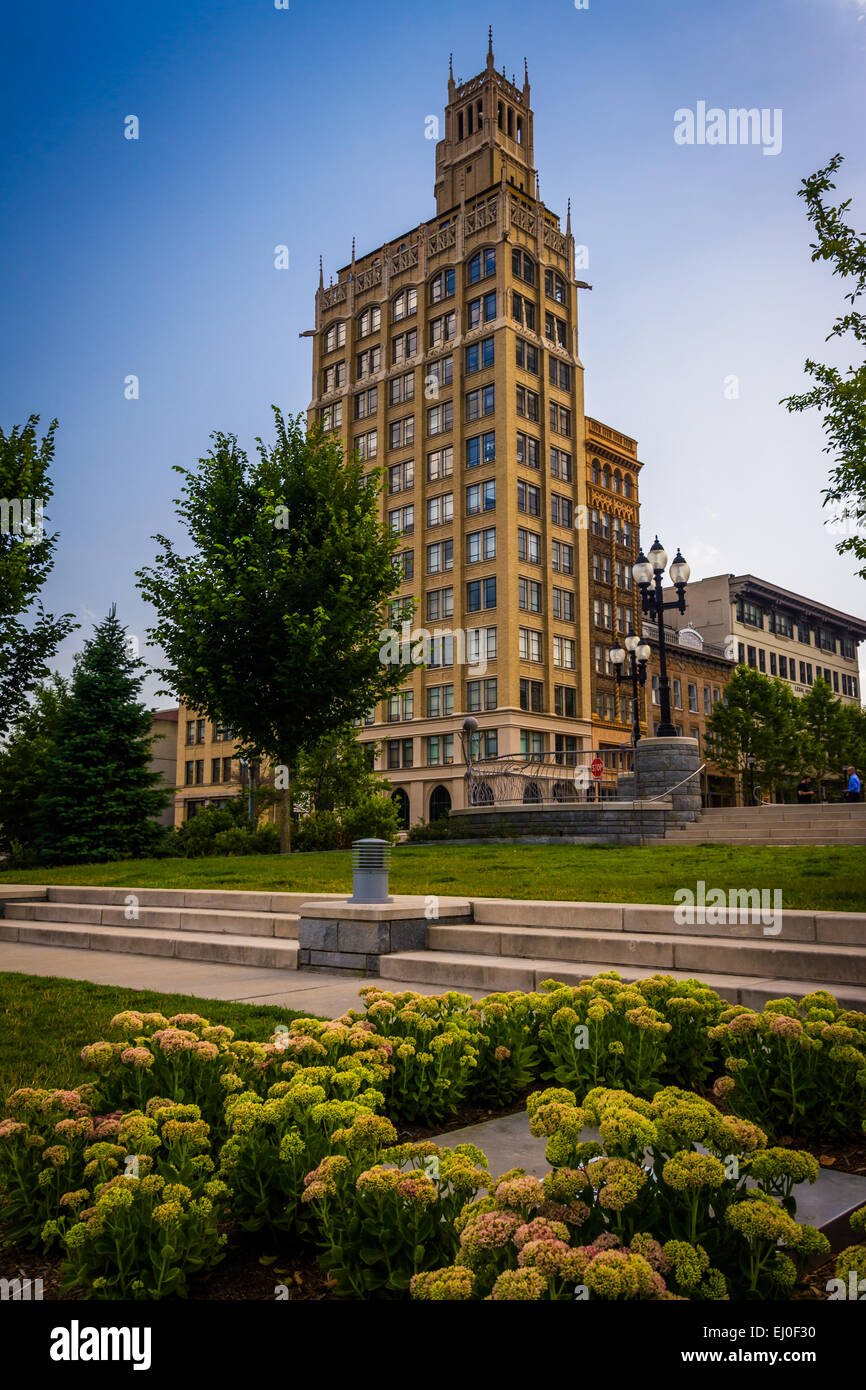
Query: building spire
[(568, 220), (321, 276), (490, 48)]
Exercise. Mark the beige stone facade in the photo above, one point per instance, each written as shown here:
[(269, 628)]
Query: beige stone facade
[(778, 632), (449, 359)]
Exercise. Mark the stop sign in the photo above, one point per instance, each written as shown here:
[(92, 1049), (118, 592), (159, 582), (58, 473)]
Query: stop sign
[(596, 767)]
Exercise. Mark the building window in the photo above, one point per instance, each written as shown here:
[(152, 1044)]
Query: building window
[(405, 564), (560, 510), (560, 418), (334, 376), (440, 509), (526, 356), (332, 416), (440, 604), (481, 593), (528, 498), (405, 304), (440, 701), (528, 450), (402, 388), (440, 557), (693, 697), (522, 265), (368, 362), (563, 604), (531, 743), (366, 403), (562, 557), (481, 545), (678, 693), (481, 310), (555, 287), (560, 465), (402, 520), (479, 355), (443, 329), (367, 445), (401, 476), (370, 321), (559, 374), (440, 417), (565, 701), (529, 595), (532, 695), (442, 286), (481, 448), (335, 337), (440, 750), (527, 403), (529, 644), (199, 772), (563, 652), (440, 463), (481, 497), (528, 546), (482, 264), (481, 695), (480, 402), (189, 769), (400, 707), (523, 311)]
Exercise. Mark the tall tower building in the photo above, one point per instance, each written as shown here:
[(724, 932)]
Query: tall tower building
[(449, 358)]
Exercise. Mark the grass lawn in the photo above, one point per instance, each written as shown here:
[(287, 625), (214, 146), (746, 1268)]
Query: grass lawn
[(832, 879), (45, 1021)]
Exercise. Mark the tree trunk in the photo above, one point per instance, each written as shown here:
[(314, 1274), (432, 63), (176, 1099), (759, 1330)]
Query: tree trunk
[(286, 814)]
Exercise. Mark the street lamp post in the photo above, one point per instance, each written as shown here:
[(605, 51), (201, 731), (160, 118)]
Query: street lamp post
[(648, 573), (750, 760), (638, 653)]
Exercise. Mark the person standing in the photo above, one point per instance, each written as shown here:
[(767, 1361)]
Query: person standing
[(853, 792), (805, 792)]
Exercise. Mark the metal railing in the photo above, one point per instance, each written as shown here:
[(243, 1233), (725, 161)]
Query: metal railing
[(556, 778)]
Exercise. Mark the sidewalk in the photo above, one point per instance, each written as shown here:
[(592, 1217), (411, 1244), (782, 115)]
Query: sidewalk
[(326, 994)]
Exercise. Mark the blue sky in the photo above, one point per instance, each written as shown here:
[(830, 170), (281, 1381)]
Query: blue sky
[(261, 127)]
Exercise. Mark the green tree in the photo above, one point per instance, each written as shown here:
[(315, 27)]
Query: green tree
[(273, 622), (29, 636), (757, 718), (335, 773), (22, 762), (99, 797), (840, 397), (819, 716)]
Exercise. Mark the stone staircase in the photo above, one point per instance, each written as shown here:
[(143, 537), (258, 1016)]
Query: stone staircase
[(232, 928), (828, 824), (509, 944), (516, 945)]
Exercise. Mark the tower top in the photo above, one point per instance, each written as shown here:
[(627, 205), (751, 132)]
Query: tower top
[(488, 135)]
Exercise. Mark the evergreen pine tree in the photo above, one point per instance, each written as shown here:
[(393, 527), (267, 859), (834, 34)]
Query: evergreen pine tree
[(99, 797)]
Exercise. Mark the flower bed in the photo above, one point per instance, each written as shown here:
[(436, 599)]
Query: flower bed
[(186, 1133)]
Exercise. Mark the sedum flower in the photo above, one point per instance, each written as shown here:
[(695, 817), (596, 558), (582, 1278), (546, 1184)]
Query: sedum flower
[(441, 1285), (520, 1285), (691, 1172)]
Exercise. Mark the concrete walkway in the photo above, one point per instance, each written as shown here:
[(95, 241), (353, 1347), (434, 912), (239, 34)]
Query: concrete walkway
[(326, 994)]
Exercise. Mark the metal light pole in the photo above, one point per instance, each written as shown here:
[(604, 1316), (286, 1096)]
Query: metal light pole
[(638, 653), (648, 574)]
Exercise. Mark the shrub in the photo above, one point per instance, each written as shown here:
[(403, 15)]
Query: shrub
[(381, 1227), (601, 1032), (798, 1068), (374, 817), (317, 831), (141, 1239)]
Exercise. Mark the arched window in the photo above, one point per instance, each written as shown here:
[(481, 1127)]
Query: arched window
[(627, 485), (401, 801), (617, 481), (594, 471), (499, 115), (520, 130), (606, 475), (440, 803)]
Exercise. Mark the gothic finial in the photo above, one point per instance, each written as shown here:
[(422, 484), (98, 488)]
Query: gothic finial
[(490, 41), (525, 72), (568, 220), (321, 276), (353, 250), (451, 66), (537, 187)]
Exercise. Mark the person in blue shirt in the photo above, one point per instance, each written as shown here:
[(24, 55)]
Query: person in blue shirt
[(853, 792)]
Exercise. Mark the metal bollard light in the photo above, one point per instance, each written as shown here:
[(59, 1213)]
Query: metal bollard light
[(371, 861)]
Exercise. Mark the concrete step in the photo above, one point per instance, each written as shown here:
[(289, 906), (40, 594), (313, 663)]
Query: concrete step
[(698, 834), (180, 918), (657, 952), (227, 900), (225, 947), (465, 970), (831, 928)]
